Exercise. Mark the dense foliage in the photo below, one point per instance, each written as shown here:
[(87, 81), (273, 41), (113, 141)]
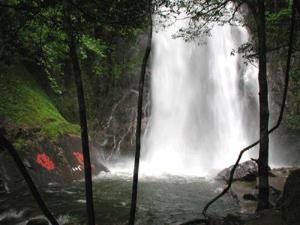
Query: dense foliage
[(24, 102), (35, 33)]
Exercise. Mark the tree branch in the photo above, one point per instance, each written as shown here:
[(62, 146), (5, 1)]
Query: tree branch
[(235, 11), (268, 51)]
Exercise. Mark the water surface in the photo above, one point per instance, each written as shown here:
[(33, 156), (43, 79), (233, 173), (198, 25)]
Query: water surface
[(161, 200)]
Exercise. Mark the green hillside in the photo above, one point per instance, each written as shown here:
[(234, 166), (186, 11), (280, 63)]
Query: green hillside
[(24, 102)]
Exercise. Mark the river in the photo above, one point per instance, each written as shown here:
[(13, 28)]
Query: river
[(161, 200)]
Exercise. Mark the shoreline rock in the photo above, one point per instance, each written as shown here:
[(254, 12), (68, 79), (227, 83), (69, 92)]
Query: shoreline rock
[(246, 171), (245, 183)]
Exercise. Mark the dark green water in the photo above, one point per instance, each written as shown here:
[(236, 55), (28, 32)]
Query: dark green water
[(163, 200)]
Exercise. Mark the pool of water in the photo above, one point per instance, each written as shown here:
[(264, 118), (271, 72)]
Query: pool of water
[(161, 200)]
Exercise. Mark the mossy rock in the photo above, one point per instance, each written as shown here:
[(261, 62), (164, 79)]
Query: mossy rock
[(24, 102)]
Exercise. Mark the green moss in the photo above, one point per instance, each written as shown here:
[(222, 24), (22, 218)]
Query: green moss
[(24, 102), (19, 143)]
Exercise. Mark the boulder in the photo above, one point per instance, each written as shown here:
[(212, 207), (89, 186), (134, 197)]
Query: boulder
[(246, 171), (290, 207)]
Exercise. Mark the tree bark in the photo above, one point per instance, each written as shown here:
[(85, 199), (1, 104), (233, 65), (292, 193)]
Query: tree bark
[(12, 151), (139, 122), (263, 167), (297, 5), (83, 124)]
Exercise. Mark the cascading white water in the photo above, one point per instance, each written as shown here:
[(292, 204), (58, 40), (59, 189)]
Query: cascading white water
[(198, 107)]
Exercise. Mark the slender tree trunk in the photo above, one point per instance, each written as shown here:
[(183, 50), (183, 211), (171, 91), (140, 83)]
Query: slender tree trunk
[(263, 166), (12, 151), (83, 124), (139, 122), (297, 5)]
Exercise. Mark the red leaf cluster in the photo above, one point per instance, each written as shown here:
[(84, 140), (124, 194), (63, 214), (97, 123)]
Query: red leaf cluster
[(79, 157), (44, 160)]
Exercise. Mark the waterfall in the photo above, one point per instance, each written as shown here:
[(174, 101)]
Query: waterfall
[(200, 102)]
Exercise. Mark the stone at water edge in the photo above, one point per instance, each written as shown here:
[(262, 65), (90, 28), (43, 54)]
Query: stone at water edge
[(290, 207), (246, 171)]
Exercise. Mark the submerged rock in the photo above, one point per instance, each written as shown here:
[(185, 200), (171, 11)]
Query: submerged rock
[(246, 171)]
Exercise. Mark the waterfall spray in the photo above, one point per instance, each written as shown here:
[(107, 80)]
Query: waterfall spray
[(198, 107)]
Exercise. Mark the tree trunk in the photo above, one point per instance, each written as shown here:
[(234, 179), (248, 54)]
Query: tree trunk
[(139, 122), (297, 5), (263, 184), (12, 151), (83, 124)]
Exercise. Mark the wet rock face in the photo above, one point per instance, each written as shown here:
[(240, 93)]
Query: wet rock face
[(246, 171), (291, 199), (74, 157), (118, 131), (116, 136), (47, 160)]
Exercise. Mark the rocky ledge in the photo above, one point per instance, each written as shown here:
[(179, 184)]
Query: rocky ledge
[(58, 160), (284, 196)]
